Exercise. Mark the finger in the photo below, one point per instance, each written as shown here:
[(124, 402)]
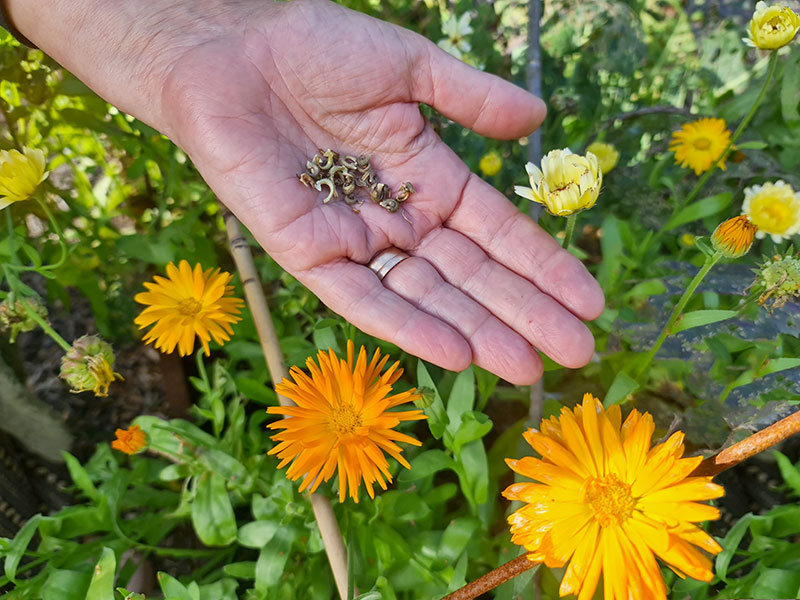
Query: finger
[(356, 293), (515, 240), (536, 316), (495, 347), (480, 101)]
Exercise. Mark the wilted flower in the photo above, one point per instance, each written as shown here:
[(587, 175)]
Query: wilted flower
[(456, 30), (89, 365), (774, 208), (342, 423), (605, 502), (490, 164), (188, 303), (14, 317), (20, 174), (778, 280), (130, 441), (698, 144), (567, 182), (607, 155), (734, 237), (772, 27)]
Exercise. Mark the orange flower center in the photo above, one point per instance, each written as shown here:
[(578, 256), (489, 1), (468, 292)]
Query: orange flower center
[(344, 420), (610, 499), (189, 307), (702, 143)]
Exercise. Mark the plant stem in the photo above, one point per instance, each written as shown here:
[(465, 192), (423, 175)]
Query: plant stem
[(493, 578), (750, 446), (321, 505), (773, 62), (569, 230), (676, 312), (60, 235), (32, 314)]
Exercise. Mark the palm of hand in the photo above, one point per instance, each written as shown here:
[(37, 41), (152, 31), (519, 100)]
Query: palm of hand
[(252, 109)]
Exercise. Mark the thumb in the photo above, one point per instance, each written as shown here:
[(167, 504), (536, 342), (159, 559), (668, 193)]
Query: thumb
[(484, 103)]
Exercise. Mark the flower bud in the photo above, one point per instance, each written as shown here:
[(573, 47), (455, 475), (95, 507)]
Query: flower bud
[(490, 164), (88, 365), (14, 317), (733, 238), (130, 441)]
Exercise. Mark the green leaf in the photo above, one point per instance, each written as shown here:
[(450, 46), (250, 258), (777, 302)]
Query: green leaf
[(271, 562), (699, 210), (778, 364), (101, 586), (437, 416), (790, 473), (460, 401), (698, 318), (127, 595), (476, 471), (212, 513), (622, 385), (790, 91), (18, 546), (612, 247), (257, 534), (241, 570), (729, 546), (645, 289), (66, 585), (456, 537), (776, 583), (426, 464), (80, 477), (254, 390), (754, 145), (172, 588), (474, 426)]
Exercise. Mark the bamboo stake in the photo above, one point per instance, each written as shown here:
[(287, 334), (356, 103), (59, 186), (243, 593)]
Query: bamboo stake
[(493, 578), (257, 302), (750, 446)]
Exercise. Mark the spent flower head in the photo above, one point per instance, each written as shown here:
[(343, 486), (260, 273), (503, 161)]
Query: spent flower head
[(772, 26), (607, 503), (778, 281), (20, 174), (699, 144), (341, 423), (130, 441), (490, 164), (188, 303), (456, 31), (567, 183), (89, 365), (734, 237), (607, 155), (15, 319), (774, 208)]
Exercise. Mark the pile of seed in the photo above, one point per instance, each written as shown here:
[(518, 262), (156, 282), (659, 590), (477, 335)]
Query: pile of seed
[(348, 173)]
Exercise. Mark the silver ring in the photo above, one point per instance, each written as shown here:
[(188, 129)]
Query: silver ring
[(386, 260)]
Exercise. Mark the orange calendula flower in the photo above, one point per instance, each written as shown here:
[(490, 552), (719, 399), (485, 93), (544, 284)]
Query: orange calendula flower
[(130, 441), (698, 144), (342, 422), (607, 503), (734, 237), (188, 303)]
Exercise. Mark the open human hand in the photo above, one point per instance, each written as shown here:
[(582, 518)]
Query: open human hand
[(251, 90)]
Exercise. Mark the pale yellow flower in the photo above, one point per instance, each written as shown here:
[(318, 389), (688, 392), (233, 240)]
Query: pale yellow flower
[(490, 164), (608, 504), (698, 144), (607, 155), (20, 174), (772, 27), (567, 182), (774, 208), (456, 30), (734, 237)]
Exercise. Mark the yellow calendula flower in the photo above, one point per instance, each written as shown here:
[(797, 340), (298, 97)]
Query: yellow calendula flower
[(567, 183), (734, 237), (188, 303), (607, 503), (20, 174), (342, 423), (772, 27), (607, 155), (89, 366), (490, 164), (698, 144), (774, 208), (130, 441)]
